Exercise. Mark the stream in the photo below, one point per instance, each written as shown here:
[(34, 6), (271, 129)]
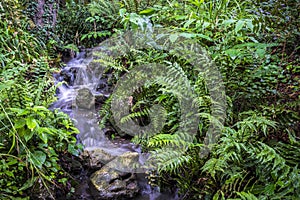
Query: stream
[(83, 91)]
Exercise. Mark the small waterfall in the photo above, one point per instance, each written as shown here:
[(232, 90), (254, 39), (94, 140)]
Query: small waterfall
[(77, 97), (80, 85)]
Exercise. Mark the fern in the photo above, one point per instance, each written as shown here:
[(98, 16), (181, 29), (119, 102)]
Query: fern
[(247, 196), (162, 140), (169, 159), (108, 9), (242, 163), (289, 151), (255, 123), (213, 165), (134, 115), (105, 113)]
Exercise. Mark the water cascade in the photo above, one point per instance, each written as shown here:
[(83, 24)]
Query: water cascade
[(82, 92)]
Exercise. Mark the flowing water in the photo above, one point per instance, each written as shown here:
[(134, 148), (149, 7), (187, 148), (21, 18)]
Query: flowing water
[(79, 98)]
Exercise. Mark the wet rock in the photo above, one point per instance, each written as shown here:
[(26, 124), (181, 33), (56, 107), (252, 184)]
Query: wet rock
[(95, 69), (98, 157), (85, 99), (101, 86), (114, 180), (126, 162), (68, 75), (109, 183), (100, 98)]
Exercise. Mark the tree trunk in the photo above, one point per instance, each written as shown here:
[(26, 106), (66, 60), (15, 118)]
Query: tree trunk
[(38, 20), (46, 13)]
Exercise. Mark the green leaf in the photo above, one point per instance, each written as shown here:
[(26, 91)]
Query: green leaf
[(180, 17), (83, 37), (269, 189), (27, 134), (89, 19), (173, 37), (261, 53), (197, 3), (228, 22), (122, 12), (72, 47), (239, 25), (204, 37), (44, 132), (247, 196), (19, 111), (9, 173), (38, 158), (20, 123), (44, 137), (188, 23), (40, 108), (31, 123), (148, 11), (29, 183), (72, 149), (250, 24), (192, 35), (233, 53), (12, 161), (187, 35), (219, 196), (7, 84)]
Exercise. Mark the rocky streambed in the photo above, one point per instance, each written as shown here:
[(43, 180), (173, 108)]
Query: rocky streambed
[(105, 169)]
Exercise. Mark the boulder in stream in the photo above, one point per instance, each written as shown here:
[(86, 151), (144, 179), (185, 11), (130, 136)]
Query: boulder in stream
[(85, 99), (98, 157), (111, 183)]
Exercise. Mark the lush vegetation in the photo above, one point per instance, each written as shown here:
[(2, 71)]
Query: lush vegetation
[(254, 44), (256, 49), (31, 137)]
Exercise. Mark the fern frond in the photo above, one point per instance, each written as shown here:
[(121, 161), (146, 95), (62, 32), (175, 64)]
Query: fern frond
[(247, 196), (169, 159), (104, 8), (161, 140), (290, 152), (142, 113), (213, 165), (256, 123), (105, 113)]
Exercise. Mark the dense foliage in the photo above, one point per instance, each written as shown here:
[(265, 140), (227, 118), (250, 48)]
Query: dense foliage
[(31, 136), (256, 48), (255, 45)]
